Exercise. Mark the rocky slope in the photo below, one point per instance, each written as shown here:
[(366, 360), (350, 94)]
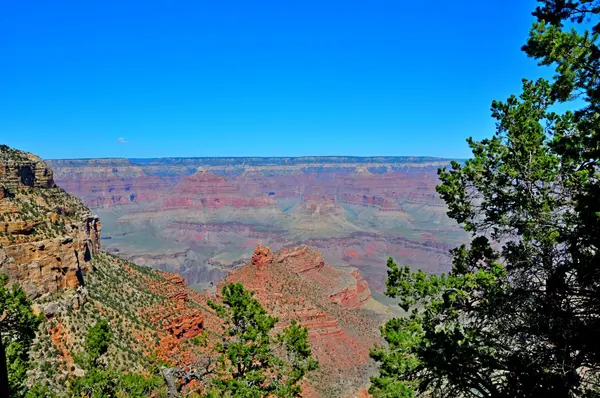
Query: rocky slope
[(157, 319), (153, 316), (335, 305), (198, 216)]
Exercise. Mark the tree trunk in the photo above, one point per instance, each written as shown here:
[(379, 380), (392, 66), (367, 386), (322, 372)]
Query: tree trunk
[(3, 372), (170, 381)]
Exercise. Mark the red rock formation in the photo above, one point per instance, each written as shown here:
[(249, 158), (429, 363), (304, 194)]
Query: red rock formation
[(62, 342), (302, 259), (353, 296), (177, 316), (297, 284), (205, 183), (179, 296), (175, 279), (262, 256), (186, 326)]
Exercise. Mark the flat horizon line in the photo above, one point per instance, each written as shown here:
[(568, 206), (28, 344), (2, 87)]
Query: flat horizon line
[(264, 157)]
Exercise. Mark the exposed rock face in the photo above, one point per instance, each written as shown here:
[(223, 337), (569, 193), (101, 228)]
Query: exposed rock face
[(73, 301), (301, 259), (47, 237), (19, 169), (51, 265), (262, 256), (175, 279), (297, 284), (355, 295), (186, 326)]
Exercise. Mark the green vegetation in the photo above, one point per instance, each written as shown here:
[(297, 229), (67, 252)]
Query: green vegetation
[(100, 381), (251, 360), (102, 334), (519, 314), (8, 153), (34, 206), (97, 341), (248, 364), (17, 330)]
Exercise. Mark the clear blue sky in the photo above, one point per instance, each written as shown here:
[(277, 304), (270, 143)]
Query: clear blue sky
[(256, 78)]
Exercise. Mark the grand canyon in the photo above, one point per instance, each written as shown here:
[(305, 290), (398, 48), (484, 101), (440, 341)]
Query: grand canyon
[(330, 222), (202, 217), (300, 200)]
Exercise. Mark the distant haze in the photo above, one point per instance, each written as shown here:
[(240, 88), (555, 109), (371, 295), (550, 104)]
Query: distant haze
[(200, 217)]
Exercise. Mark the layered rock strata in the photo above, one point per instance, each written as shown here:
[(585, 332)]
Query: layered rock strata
[(297, 284), (199, 216), (47, 237)]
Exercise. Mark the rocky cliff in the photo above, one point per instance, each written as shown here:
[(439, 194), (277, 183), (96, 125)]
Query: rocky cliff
[(47, 237), (50, 245), (22, 169)]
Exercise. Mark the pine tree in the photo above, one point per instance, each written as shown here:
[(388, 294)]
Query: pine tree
[(253, 362), (17, 330), (519, 314)]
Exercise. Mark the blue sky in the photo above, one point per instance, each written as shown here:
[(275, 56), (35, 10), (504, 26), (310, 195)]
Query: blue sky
[(257, 78)]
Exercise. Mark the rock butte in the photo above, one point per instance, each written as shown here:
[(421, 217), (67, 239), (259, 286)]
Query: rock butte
[(297, 284)]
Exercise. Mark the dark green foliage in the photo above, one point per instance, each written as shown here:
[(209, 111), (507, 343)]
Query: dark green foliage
[(39, 390), (139, 386), (252, 362), (294, 339), (97, 341), (17, 328), (201, 340), (519, 315), (100, 383), (97, 383)]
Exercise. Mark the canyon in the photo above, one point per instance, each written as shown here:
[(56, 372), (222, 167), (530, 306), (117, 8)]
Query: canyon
[(203, 217), (51, 246)]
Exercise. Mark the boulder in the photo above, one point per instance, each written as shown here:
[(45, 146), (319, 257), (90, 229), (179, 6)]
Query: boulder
[(51, 309)]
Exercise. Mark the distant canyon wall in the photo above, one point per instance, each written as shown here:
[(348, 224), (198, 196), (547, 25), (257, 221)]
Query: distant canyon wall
[(202, 216)]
